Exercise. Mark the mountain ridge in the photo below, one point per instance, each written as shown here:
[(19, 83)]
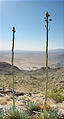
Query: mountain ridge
[(6, 68)]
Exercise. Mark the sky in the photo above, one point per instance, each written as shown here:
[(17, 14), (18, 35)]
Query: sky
[(28, 18)]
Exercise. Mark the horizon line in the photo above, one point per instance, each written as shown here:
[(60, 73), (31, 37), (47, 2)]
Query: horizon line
[(33, 50)]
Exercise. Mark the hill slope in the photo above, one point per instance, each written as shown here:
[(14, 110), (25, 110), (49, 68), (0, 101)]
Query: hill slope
[(31, 81), (6, 68)]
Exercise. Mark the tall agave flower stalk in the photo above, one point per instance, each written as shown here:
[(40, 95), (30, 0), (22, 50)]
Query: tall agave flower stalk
[(46, 19), (13, 67)]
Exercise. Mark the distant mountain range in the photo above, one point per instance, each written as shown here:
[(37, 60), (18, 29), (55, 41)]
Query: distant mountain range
[(6, 69), (29, 51), (57, 50), (32, 60)]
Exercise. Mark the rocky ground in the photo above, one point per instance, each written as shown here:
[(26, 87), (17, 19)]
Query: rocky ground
[(30, 86), (22, 99)]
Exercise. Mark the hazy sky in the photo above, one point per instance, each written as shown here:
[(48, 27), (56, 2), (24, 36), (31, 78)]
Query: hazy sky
[(28, 18)]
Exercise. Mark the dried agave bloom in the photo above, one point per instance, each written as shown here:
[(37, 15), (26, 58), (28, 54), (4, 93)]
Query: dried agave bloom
[(13, 66), (46, 20)]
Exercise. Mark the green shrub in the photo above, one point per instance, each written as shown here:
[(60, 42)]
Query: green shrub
[(31, 106), (15, 114), (56, 94), (12, 113), (54, 114), (1, 113), (24, 115), (44, 115)]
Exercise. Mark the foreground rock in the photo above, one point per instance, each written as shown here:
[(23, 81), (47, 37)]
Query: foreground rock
[(22, 100), (40, 103)]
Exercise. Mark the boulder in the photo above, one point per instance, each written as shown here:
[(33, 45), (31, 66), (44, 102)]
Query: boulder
[(3, 101), (8, 91), (18, 93), (1, 95), (40, 103)]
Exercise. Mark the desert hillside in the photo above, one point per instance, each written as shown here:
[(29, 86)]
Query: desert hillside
[(30, 88), (31, 81), (6, 68)]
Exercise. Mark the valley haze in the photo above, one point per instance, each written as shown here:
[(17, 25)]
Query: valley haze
[(32, 60)]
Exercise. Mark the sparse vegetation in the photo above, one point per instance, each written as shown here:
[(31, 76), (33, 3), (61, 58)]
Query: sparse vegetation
[(54, 114), (44, 115), (1, 113), (31, 106), (51, 114), (57, 94), (24, 115), (10, 114)]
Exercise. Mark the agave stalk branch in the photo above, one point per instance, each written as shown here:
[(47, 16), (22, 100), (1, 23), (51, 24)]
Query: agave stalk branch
[(46, 89), (13, 66)]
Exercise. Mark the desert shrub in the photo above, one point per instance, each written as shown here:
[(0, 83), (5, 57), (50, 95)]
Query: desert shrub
[(12, 114), (31, 106), (44, 115), (54, 114), (1, 113), (56, 94), (24, 115), (51, 114)]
